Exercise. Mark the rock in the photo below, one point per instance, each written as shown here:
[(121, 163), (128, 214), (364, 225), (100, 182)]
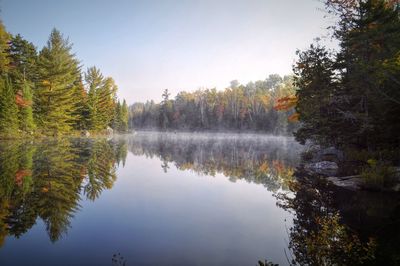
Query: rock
[(349, 182), (396, 188), (85, 133), (329, 154), (323, 167), (110, 131)]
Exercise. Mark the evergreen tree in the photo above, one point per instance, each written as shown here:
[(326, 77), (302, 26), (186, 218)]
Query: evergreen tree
[(106, 102), (8, 107), (81, 108), (25, 114), (369, 56), (164, 121), (58, 73), (315, 105), (123, 117), (353, 101), (117, 116), (23, 61), (4, 46), (94, 80)]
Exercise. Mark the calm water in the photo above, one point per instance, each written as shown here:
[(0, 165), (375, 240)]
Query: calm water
[(172, 199)]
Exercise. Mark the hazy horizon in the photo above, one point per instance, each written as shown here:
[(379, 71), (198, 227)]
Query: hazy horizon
[(149, 46)]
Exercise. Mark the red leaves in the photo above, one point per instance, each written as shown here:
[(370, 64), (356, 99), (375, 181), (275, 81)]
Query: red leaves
[(286, 103), (20, 101), (19, 176), (294, 117)]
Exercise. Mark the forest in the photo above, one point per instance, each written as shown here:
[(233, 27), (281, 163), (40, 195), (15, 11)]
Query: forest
[(46, 92), (349, 98), (247, 107)]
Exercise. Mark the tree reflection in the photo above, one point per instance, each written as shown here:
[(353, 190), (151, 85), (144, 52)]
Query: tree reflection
[(330, 226), (260, 160), (46, 180)]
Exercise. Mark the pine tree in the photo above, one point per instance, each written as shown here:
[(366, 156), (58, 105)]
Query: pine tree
[(164, 121), (106, 102), (81, 109), (25, 114), (23, 61), (124, 117), (314, 77), (370, 48), (117, 116), (58, 73), (94, 80), (4, 45), (352, 100), (101, 99), (8, 108)]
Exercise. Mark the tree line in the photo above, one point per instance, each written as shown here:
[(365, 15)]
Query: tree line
[(238, 107), (46, 91)]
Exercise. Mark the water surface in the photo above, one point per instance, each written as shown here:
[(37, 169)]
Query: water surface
[(184, 199), (146, 199)]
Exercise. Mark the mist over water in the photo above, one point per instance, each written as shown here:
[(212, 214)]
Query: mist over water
[(252, 157)]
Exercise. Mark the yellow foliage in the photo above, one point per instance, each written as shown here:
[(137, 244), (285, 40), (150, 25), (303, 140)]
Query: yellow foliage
[(46, 83), (263, 167)]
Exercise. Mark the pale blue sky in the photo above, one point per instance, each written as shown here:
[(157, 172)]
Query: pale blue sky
[(147, 46)]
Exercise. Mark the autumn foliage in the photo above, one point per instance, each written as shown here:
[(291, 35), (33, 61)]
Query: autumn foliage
[(288, 103), (285, 103)]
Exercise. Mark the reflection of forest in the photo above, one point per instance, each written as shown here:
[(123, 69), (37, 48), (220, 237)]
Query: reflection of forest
[(264, 160), (47, 180), (332, 226)]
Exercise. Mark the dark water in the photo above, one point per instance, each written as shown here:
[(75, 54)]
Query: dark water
[(182, 199)]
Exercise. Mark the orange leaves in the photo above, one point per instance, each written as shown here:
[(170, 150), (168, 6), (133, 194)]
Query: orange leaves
[(19, 176), (264, 167), (286, 103), (20, 101), (294, 117), (278, 166)]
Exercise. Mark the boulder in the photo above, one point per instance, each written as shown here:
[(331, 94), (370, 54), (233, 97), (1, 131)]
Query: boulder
[(110, 131), (323, 167), (353, 183), (85, 133), (329, 154)]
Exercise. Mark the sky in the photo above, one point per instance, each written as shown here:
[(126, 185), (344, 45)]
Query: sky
[(149, 46)]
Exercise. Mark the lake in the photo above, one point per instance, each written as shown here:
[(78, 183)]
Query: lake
[(180, 199)]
